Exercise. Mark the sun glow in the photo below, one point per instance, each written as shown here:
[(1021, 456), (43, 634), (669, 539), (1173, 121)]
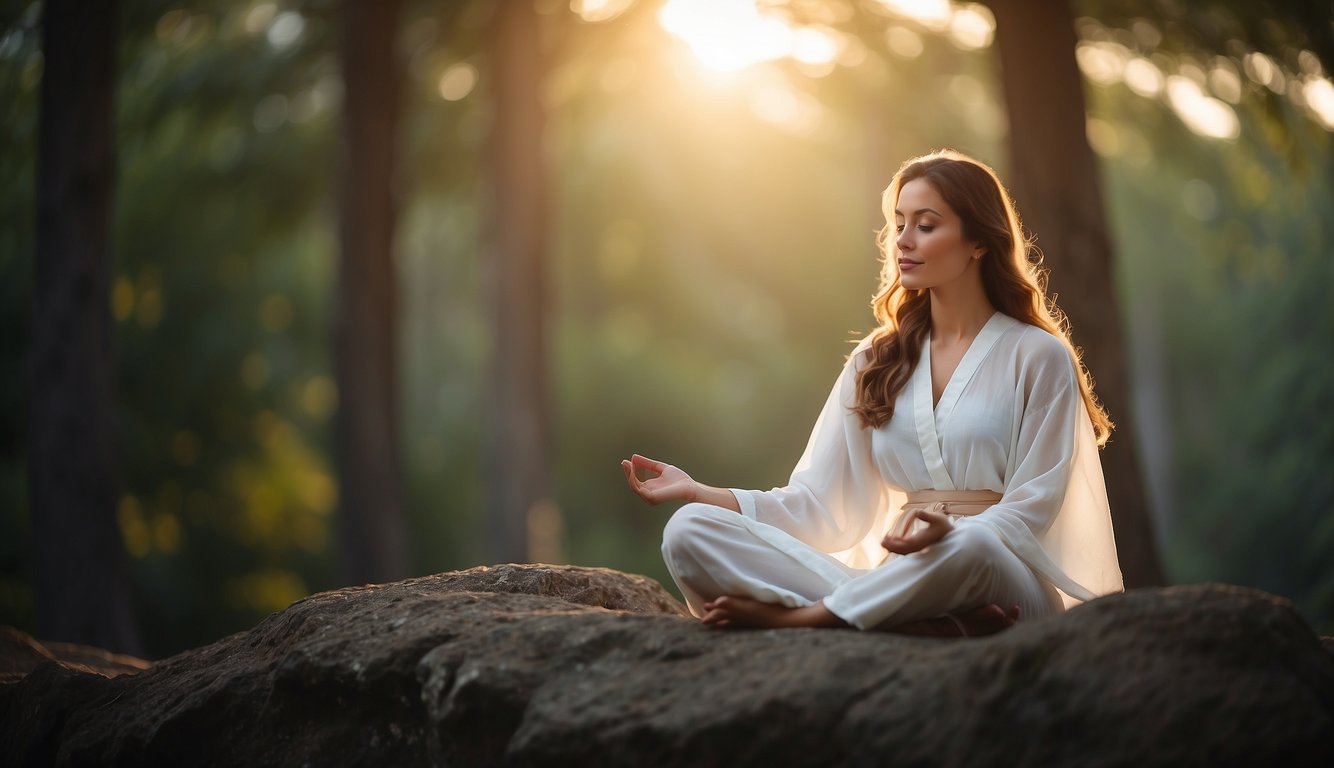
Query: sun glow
[(730, 35), (727, 35), (935, 15)]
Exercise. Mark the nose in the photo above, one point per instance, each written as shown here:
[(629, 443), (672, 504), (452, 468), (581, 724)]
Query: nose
[(903, 240)]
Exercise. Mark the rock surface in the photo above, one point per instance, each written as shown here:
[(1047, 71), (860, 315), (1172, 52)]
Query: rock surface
[(548, 665), (20, 654)]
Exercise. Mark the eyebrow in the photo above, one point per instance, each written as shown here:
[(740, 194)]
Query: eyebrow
[(918, 212)]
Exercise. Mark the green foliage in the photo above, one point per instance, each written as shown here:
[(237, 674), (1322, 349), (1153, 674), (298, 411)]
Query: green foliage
[(1224, 274)]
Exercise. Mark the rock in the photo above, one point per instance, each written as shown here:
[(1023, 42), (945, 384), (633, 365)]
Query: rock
[(20, 654), (547, 665), (601, 587)]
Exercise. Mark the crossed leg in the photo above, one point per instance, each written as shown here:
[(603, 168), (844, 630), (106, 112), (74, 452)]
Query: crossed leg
[(731, 578), (734, 611)]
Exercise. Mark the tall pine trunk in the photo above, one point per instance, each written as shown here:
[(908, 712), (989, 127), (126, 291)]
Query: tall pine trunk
[(82, 585), (1054, 179), (518, 473), (373, 520)]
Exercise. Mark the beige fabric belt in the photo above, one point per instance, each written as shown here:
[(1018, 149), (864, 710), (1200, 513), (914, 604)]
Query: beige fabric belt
[(948, 502)]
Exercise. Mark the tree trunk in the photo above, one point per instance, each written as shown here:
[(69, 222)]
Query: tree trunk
[(373, 520), (80, 574), (1054, 180), (517, 449)]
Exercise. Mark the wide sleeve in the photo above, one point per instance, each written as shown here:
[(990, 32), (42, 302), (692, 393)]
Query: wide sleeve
[(835, 495), (1053, 513)]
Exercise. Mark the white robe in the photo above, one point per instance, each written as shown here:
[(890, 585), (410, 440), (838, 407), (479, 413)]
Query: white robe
[(1011, 420)]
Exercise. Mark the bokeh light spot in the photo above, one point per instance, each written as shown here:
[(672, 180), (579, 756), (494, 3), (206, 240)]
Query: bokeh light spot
[(285, 29), (1204, 115), (257, 20), (148, 309), (1102, 137), (1224, 80), (133, 530), (816, 45), (1319, 96), (595, 11), (1143, 77), (167, 534), (457, 81), (972, 27), (903, 42), (935, 15), (122, 299), (319, 396)]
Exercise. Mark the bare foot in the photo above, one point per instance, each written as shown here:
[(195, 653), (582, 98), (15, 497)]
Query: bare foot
[(985, 620), (737, 612)]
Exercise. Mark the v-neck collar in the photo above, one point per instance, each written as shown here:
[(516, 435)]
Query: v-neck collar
[(930, 418)]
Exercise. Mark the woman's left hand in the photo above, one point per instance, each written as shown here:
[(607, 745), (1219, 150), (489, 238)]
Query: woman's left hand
[(937, 525)]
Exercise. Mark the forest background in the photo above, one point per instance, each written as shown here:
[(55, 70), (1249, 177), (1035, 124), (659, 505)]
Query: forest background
[(713, 199)]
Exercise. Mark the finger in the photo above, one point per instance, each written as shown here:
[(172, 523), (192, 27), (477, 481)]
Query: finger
[(631, 478), (631, 472), (639, 486), (931, 516), (913, 542), (647, 463), (899, 545), (936, 521)]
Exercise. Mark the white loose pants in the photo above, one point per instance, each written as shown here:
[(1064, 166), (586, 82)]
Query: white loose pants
[(711, 551)]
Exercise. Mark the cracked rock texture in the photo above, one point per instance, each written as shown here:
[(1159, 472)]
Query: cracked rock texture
[(558, 665)]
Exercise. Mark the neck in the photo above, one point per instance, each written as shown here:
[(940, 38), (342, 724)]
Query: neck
[(960, 309)]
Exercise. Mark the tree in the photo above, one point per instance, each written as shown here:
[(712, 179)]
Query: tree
[(82, 586), (1054, 179), (374, 523), (518, 469)]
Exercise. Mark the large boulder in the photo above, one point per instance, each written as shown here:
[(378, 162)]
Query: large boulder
[(20, 654), (548, 665)]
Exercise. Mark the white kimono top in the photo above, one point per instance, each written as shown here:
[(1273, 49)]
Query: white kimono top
[(1011, 420)]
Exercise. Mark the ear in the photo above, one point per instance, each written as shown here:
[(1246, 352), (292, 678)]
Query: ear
[(978, 251)]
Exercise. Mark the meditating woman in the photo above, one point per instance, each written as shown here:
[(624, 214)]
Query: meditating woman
[(951, 484)]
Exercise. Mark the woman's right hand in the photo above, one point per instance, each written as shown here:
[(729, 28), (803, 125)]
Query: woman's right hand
[(670, 483)]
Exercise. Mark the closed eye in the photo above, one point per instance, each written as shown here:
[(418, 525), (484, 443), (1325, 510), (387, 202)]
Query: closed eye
[(923, 228)]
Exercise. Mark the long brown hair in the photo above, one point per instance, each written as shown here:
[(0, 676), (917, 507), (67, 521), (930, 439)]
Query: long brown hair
[(1012, 276)]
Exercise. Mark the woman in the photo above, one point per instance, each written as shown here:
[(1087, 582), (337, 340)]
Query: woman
[(954, 468)]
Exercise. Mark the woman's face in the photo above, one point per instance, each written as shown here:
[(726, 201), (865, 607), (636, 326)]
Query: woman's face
[(932, 251)]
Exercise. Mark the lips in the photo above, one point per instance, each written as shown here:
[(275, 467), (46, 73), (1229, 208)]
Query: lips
[(906, 264)]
